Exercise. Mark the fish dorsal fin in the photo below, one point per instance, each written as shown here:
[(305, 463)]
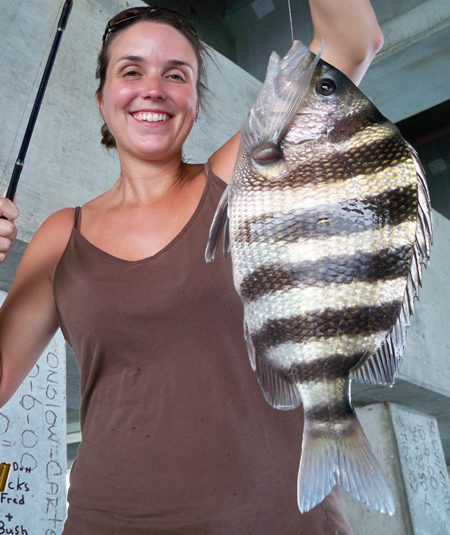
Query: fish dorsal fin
[(383, 366), (286, 83)]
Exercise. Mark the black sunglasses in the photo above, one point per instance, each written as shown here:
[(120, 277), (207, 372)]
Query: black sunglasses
[(134, 12)]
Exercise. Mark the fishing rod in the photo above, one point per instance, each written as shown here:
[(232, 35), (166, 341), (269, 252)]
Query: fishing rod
[(18, 166)]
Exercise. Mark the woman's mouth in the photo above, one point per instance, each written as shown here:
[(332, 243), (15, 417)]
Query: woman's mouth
[(151, 117)]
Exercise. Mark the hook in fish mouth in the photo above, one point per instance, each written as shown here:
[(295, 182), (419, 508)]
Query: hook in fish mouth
[(267, 153)]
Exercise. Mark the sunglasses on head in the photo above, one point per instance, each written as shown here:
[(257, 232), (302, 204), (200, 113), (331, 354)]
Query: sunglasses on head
[(134, 12)]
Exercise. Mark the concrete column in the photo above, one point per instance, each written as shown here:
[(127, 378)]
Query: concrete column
[(408, 446), (33, 443)]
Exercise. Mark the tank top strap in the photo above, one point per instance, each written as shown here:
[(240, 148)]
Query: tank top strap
[(77, 218), (208, 170), (210, 175)]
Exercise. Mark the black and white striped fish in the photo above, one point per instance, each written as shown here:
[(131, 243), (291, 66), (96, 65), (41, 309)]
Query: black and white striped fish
[(328, 216)]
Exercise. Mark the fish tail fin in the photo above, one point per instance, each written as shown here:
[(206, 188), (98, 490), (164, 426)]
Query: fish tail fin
[(347, 460)]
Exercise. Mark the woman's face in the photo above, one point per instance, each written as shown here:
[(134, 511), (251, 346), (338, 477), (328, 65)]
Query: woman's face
[(149, 100)]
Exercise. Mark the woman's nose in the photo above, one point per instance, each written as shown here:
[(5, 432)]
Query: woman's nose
[(154, 88)]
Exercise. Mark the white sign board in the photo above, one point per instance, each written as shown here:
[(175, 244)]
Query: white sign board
[(33, 443), (424, 471)]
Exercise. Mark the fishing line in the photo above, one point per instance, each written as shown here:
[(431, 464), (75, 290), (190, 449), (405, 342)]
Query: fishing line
[(26, 107), (290, 20)]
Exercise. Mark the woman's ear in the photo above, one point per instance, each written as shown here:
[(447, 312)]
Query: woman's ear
[(197, 110), (98, 99)]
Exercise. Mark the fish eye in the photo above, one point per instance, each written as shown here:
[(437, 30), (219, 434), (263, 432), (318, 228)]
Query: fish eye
[(325, 87)]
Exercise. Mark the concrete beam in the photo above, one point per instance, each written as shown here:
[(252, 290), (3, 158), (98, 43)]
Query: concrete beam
[(413, 24)]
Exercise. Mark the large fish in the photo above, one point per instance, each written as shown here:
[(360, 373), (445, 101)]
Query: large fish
[(328, 218)]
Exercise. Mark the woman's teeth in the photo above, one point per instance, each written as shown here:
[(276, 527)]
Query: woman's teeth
[(151, 117)]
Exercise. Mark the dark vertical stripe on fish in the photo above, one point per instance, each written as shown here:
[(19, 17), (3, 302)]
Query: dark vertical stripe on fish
[(383, 265), (332, 367), (327, 324), (364, 159), (329, 413), (390, 207)]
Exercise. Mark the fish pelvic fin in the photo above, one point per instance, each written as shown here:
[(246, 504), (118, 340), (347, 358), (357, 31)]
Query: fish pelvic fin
[(286, 83), (219, 225), (383, 366), (346, 460)]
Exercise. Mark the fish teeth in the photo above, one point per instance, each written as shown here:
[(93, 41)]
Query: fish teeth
[(151, 117)]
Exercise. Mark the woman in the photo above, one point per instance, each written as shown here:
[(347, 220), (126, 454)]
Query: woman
[(176, 435)]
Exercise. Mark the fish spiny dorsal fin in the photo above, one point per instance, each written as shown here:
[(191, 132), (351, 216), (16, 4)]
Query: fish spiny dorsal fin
[(382, 367), (287, 81)]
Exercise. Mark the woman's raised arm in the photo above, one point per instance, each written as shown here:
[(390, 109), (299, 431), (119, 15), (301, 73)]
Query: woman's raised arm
[(350, 32)]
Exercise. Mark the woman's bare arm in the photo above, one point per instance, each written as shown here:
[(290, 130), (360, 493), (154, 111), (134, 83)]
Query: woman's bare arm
[(350, 32), (28, 317), (352, 37)]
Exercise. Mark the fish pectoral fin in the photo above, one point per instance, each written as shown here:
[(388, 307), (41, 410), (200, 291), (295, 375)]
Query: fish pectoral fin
[(219, 225), (278, 391)]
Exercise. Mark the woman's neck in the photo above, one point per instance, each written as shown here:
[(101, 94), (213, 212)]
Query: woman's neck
[(147, 182)]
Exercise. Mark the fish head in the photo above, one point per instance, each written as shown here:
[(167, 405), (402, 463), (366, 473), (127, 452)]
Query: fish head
[(305, 102), (286, 83), (333, 109)]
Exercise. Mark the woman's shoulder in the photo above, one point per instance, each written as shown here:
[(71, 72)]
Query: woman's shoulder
[(49, 243), (55, 231), (60, 222), (222, 162)]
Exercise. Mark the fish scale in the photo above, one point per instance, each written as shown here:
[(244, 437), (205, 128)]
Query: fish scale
[(329, 225)]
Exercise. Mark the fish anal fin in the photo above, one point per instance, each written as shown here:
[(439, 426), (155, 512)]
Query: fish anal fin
[(278, 391)]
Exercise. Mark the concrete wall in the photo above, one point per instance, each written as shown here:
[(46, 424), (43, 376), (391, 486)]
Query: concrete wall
[(406, 444)]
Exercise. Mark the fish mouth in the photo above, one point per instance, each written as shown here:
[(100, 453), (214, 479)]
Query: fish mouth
[(286, 84)]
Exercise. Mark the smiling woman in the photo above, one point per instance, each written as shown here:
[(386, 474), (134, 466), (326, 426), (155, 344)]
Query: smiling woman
[(176, 437), (166, 16), (149, 98)]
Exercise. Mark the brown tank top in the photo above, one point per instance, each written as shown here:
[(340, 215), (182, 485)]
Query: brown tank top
[(176, 435)]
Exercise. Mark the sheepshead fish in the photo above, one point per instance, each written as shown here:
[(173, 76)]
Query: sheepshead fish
[(328, 223)]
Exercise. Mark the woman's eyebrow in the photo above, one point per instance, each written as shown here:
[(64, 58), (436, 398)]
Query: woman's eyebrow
[(136, 59), (140, 59), (179, 63)]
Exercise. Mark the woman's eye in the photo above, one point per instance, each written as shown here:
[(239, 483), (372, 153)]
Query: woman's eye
[(176, 76), (131, 73)]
